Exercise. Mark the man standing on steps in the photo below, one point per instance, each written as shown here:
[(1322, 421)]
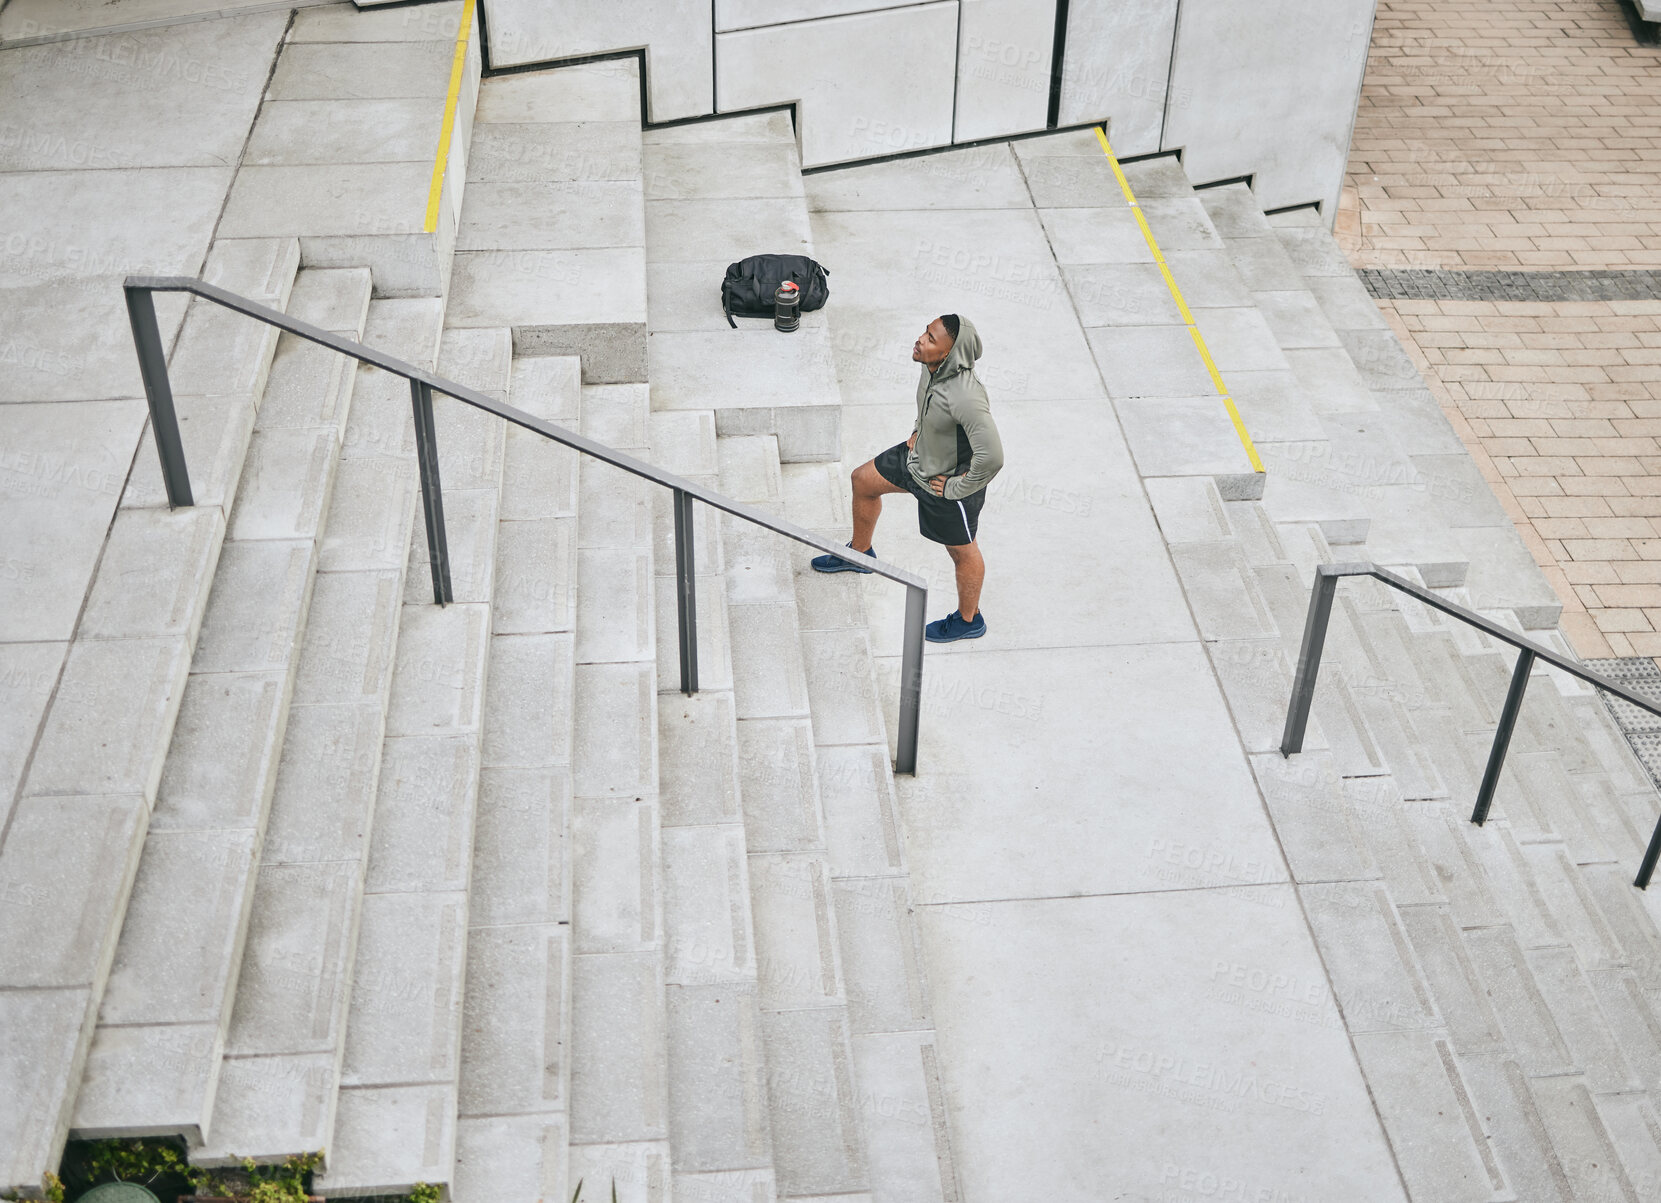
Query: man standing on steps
[(952, 455)]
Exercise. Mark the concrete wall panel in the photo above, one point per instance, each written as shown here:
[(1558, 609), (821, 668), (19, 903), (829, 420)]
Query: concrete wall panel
[(732, 15), (873, 84), (1003, 67), (1269, 89), (1118, 57), (675, 33), (1266, 88)]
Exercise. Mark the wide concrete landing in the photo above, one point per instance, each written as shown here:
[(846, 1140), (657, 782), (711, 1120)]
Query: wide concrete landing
[(1087, 842), (1166, 962), (1110, 1048)]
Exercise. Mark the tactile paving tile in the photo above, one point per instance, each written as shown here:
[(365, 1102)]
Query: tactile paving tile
[(1640, 674), (1394, 284)]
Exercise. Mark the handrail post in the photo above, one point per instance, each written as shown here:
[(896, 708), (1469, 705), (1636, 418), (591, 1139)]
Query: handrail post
[(158, 391), (1502, 736), (911, 678), (1650, 856), (1309, 660), (432, 493), (686, 596)]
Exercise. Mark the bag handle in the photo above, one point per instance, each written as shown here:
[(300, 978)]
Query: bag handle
[(726, 302)]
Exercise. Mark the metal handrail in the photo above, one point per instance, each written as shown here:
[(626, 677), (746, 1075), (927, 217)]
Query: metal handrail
[(158, 390), (1309, 663)]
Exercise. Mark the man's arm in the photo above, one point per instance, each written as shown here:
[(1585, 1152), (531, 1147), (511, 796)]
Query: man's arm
[(986, 454)]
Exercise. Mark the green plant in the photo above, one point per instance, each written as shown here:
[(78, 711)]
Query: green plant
[(285, 1183), (134, 1160), (50, 1185), (424, 1192)]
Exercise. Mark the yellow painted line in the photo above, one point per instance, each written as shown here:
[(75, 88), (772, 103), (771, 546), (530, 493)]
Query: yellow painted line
[(458, 68), (1182, 306)]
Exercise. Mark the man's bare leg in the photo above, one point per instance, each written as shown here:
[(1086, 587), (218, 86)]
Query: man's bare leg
[(869, 486), (971, 571)]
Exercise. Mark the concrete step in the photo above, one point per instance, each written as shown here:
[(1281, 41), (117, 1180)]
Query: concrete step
[(515, 1068), (619, 1091), (154, 1061), (395, 1125), (839, 960), (1175, 422), (218, 373), (719, 1129), (1388, 442), (552, 231), (1492, 977), (818, 1136), (277, 1079), (718, 192), (341, 153), (887, 988), (77, 831)]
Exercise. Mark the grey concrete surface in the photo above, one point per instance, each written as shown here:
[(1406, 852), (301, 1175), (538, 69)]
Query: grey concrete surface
[(677, 39), (1240, 612), (834, 950), (702, 213), (123, 163), (1129, 85), (882, 79), (904, 58), (1130, 1054), (64, 467), (277, 1085), (309, 174), (1292, 147), (983, 178), (617, 1015), (400, 1059), (596, 928), (566, 283), (183, 859), (31, 22), (86, 104)]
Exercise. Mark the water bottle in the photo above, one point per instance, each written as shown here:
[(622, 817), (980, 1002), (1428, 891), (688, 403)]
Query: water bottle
[(787, 305)]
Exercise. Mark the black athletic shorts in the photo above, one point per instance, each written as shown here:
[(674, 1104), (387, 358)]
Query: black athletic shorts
[(944, 521)]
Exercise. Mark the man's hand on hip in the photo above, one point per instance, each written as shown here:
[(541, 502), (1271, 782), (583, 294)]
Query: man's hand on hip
[(938, 485), (912, 441)]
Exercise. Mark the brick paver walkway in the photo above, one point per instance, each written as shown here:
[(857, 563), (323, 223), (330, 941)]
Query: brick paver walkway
[(1526, 137)]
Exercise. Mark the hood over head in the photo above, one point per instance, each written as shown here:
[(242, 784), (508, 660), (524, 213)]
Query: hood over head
[(965, 350)]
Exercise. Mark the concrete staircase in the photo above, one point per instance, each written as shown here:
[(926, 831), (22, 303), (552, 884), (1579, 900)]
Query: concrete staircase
[(474, 896), (154, 1064), (76, 836), (169, 745), (1496, 982), (681, 968)]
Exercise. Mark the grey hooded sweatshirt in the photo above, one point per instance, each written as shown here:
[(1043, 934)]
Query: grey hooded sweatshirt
[(956, 436)]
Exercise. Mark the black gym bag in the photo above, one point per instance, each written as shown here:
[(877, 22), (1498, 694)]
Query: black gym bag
[(750, 284)]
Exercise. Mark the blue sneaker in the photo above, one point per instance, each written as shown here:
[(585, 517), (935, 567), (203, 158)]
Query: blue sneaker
[(838, 564), (952, 628)]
